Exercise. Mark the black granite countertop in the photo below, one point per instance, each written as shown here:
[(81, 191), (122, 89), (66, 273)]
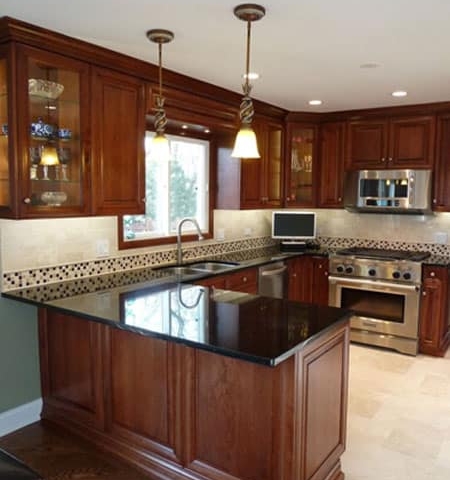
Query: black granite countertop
[(249, 327)]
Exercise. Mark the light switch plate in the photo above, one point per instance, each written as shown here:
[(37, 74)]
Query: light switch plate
[(102, 247)]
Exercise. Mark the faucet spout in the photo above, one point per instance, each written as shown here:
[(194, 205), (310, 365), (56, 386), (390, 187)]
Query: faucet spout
[(179, 229)]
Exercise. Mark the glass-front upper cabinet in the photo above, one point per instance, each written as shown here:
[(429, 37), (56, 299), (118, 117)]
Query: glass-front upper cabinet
[(52, 124), (301, 165), (5, 192)]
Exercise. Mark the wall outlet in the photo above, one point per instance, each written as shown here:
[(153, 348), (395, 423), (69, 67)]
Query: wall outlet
[(441, 238), (247, 231), (220, 234), (102, 247)]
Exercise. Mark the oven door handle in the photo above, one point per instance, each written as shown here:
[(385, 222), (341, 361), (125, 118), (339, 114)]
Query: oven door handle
[(371, 284)]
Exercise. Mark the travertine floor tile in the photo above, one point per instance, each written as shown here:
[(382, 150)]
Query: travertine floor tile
[(398, 416)]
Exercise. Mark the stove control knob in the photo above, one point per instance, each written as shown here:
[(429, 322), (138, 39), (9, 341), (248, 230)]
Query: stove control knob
[(349, 269), (396, 274), (372, 272), (340, 269), (407, 276)]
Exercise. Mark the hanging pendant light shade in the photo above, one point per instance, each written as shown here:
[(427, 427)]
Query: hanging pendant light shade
[(159, 149), (245, 145)]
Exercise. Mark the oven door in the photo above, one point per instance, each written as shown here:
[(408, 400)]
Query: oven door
[(381, 307)]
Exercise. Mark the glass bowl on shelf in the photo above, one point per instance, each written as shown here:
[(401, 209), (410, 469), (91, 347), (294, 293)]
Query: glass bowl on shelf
[(53, 199), (44, 88)]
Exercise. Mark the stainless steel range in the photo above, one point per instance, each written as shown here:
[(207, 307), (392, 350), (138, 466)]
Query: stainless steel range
[(382, 287)]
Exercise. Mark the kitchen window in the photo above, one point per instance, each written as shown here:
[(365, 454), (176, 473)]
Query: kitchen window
[(174, 189)]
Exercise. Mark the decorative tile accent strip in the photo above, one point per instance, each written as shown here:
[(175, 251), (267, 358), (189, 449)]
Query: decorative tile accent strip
[(340, 242), (125, 263), (135, 268)]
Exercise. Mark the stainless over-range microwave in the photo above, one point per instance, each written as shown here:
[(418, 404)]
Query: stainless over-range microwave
[(388, 191)]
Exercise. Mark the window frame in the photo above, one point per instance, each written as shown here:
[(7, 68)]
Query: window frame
[(151, 242)]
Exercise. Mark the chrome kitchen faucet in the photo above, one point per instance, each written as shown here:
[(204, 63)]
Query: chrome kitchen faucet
[(180, 225)]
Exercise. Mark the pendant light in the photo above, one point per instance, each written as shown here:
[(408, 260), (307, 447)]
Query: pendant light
[(160, 144), (245, 145)]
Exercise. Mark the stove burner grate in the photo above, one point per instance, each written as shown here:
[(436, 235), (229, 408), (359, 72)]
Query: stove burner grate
[(378, 253)]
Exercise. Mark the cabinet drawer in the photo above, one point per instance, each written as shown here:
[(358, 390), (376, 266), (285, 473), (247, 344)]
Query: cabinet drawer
[(244, 280)]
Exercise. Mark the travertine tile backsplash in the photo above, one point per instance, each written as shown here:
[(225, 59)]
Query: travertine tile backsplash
[(34, 244)]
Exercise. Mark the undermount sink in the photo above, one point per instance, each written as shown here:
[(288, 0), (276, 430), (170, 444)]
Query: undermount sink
[(180, 270), (196, 268), (212, 266)]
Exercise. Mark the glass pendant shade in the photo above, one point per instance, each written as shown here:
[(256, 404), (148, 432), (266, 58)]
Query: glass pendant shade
[(49, 156), (160, 149), (245, 145)]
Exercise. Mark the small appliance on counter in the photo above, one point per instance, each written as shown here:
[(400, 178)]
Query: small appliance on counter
[(294, 229)]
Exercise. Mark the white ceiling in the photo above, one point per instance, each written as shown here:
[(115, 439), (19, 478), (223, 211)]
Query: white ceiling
[(302, 49)]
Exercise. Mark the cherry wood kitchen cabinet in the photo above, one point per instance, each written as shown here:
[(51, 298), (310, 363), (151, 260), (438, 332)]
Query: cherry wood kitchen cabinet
[(118, 134), (308, 279), (434, 333), (301, 165), (331, 164), (245, 280), (251, 183), (177, 411), (54, 96), (48, 112), (397, 142), (441, 174)]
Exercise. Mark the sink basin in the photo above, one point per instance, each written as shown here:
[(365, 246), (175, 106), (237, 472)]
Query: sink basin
[(180, 270), (212, 266), (196, 268)]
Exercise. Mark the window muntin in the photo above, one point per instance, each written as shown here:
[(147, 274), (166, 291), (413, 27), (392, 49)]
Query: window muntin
[(175, 189)]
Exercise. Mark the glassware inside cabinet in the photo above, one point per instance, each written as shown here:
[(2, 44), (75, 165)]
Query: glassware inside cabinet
[(5, 199), (301, 166), (55, 170)]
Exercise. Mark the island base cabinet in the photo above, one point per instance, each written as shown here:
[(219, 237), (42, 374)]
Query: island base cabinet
[(179, 412)]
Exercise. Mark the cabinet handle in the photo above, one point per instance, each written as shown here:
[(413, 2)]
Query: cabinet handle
[(27, 200), (434, 201), (432, 274), (383, 159), (339, 199), (325, 273), (424, 294), (390, 159), (244, 279), (143, 200)]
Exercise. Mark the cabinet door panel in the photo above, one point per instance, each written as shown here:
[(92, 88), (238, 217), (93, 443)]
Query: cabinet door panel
[(332, 138), (411, 142), (367, 141), (252, 185), (301, 165), (273, 150), (441, 178), (118, 134)]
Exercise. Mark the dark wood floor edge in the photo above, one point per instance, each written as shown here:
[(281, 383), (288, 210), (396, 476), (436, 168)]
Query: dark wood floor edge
[(142, 460)]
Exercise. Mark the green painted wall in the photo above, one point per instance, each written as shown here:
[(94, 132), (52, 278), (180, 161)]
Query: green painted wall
[(19, 358)]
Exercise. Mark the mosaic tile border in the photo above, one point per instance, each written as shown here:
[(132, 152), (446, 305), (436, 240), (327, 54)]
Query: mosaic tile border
[(125, 263), (136, 264)]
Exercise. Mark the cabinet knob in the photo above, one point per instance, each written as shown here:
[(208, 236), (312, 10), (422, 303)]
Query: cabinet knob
[(27, 200), (143, 200), (432, 274), (434, 201), (294, 274), (383, 159), (390, 159), (244, 279), (339, 199), (424, 293)]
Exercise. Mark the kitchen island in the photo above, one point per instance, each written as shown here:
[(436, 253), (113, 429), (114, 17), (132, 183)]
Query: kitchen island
[(187, 382)]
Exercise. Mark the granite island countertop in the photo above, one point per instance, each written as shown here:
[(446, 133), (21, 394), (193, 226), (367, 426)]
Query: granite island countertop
[(249, 327)]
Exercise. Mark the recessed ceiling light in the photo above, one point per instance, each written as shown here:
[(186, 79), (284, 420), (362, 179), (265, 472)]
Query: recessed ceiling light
[(369, 65), (399, 93), (251, 75), (184, 127), (315, 102)]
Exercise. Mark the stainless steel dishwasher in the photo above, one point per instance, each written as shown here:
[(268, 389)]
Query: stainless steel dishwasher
[(272, 279)]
